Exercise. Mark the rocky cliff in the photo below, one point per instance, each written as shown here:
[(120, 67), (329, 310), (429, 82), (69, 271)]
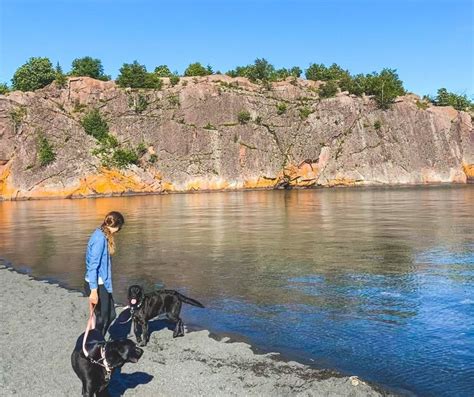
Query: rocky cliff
[(218, 132)]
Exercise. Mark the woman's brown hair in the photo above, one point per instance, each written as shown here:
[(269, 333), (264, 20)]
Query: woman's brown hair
[(112, 219)]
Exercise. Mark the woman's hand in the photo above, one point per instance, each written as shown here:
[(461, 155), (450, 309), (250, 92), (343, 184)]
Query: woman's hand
[(94, 297)]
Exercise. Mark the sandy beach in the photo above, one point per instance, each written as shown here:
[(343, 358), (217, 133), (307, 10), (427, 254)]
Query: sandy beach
[(41, 322)]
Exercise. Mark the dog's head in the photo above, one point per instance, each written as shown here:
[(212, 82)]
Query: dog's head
[(119, 352), (135, 296)]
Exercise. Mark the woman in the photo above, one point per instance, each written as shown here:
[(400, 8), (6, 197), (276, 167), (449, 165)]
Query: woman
[(99, 270)]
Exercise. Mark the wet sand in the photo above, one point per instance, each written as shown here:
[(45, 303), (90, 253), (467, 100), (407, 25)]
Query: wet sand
[(41, 323)]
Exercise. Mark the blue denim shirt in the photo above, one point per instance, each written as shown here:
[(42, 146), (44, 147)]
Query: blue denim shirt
[(98, 261)]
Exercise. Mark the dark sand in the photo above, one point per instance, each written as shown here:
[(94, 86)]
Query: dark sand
[(41, 322)]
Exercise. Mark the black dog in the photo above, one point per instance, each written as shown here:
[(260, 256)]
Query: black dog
[(96, 369), (144, 307)]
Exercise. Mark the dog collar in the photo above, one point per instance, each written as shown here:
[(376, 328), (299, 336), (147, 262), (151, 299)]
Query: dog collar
[(103, 363), (132, 309), (140, 304), (106, 364)]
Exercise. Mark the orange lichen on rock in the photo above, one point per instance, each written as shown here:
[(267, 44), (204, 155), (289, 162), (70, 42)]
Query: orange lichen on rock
[(7, 191), (110, 182), (341, 182), (107, 182), (304, 174), (42, 193), (205, 184), (469, 171), (260, 183), (167, 186)]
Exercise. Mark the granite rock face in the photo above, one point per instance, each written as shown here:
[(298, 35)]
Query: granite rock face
[(217, 132)]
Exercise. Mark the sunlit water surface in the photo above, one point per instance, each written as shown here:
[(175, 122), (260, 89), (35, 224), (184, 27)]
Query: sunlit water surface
[(373, 282)]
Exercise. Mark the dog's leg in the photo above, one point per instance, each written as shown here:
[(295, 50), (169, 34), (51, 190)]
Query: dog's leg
[(174, 316), (179, 329), (88, 390), (136, 330), (145, 334), (103, 393)]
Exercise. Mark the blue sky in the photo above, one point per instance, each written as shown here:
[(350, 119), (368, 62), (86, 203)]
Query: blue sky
[(429, 42)]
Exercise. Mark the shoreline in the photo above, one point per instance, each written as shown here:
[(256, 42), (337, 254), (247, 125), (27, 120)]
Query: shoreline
[(42, 326), (244, 190)]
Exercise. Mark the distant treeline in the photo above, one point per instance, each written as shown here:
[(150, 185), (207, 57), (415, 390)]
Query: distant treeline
[(384, 86)]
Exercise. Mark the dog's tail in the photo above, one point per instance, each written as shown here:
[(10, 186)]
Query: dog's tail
[(189, 301)]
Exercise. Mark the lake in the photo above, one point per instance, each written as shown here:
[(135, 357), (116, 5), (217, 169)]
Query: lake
[(374, 282)]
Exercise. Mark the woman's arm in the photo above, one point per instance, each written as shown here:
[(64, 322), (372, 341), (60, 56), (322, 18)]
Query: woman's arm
[(95, 248)]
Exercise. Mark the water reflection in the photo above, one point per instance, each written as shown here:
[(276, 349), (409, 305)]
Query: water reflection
[(377, 282)]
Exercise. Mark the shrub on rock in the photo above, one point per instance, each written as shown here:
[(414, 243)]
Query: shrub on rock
[(196, 69), (34, 74), (95, 125), (458, 102), (90, 67), (45, 152), (134, 75)]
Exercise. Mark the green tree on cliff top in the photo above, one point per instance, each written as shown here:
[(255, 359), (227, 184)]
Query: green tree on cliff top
[(263, 71), (134, 75), (458, 102), (240, 71), (196, 69), (320, 72), (61, 79), (4, 88), (36, 73), (163, 71), (283, 73), (385, 86), (88, 66)]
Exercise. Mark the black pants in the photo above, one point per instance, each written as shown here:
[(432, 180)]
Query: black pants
[(104, 310)]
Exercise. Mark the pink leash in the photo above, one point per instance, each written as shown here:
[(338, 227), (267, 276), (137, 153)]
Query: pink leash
[(90, 325)]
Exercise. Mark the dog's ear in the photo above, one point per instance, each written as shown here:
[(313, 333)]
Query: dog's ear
[(119, 352), (134, 290), (134, 354), (113, 354), (129, 351)]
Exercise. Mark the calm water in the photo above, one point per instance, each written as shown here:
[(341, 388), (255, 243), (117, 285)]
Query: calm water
[(373, 282)]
